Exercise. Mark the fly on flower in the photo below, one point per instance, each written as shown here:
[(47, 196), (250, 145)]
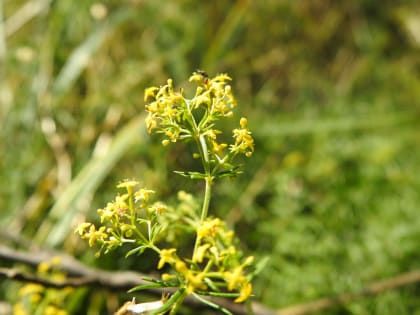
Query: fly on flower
[(204, 75), (202, 72)]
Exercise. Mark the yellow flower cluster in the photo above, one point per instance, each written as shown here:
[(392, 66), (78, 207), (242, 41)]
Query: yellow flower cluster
[(215, 259), (236, 279), (37, 299), (244, 143), (177, 117), (164, 110), (122, 218), (215, 94), (193, 278), (88, 231), (217, 246)]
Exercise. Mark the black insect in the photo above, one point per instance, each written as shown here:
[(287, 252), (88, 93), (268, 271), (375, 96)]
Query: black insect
[(203, 73)]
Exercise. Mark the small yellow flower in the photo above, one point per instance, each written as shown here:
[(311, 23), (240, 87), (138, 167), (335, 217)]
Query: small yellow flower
[(19, 309), (234, 278), (197, 77), (53, 310), (56, 260), (143, 195), (31, 288), (202, 99), (222, 77), (128, 184), (180, 266), (244, 293), (35, 298), (95, 235), (212, 134), (201, 251), (106, 214), (82, 228), (166, 256), (171, 112), (113, 242), (218, 148), (150, 93), (244, 142), (119, 205), (127, 229), (151, 123), (209, 227), (195, 281), (44, 267), (158, 208)]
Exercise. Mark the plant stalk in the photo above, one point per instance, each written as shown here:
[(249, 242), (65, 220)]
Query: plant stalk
[(202, 145)]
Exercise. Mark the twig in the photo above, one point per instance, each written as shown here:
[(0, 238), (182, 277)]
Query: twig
[(121, 280), (15, 274), (374, 288)]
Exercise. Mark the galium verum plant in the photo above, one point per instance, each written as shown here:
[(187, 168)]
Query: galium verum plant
[(216, 267)]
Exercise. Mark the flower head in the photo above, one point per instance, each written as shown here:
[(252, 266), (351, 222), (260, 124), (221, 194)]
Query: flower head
[(166, 256), (128, 184), (244, 292), (209, 227), (143, 195), (244, 143)]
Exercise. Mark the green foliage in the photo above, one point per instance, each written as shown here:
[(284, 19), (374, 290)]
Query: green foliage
[(332, 87)]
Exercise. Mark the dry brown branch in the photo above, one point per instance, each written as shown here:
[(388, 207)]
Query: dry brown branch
[(374, 288), (121, 280), (19, 275)]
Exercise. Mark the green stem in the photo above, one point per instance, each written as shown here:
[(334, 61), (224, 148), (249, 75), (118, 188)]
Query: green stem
[(173, 303), (131, 205), (207, 196), (178, 303), (204, 210), (202, 146)]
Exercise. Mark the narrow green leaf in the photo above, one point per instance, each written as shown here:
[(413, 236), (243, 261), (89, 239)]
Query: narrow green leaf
[(173, 299), (138, 250), (192, 175), (146, 286), (213, 305)]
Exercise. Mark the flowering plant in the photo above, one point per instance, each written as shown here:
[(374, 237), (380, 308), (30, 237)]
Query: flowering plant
[(216, 267)]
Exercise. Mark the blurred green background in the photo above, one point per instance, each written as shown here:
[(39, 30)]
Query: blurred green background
[(331, 90)]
